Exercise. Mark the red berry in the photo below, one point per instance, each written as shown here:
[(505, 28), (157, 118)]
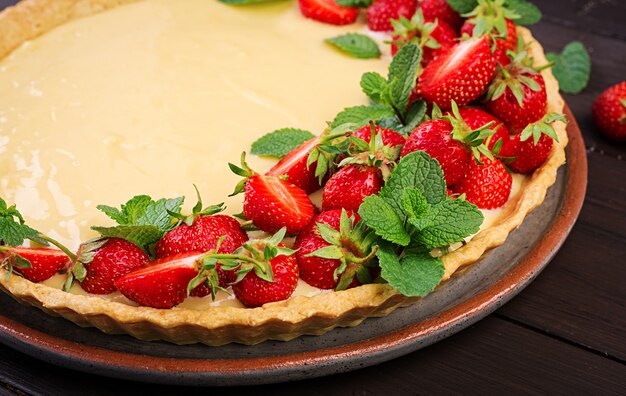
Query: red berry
[(487, 186), (45, 262), (526, 156), (113, 260), (349, 186), (390, 137), (502, 44), (435, 138), (460, 74), (476, 118), (381, 12), (328, 11), (252, 291), (294, 166), (162, 284), (609, 112), (418, 33), (440, 9)]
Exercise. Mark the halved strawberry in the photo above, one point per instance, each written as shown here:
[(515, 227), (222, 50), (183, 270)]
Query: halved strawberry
[(486, 185), (381, 12), (294, 166), (272, 203), (44, 262), (163, 284), (328, 11), (459, 75)]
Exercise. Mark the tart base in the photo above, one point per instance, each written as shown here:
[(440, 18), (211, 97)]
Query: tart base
[(277, 321)]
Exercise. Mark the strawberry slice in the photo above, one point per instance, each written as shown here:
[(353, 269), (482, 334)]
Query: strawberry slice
[(294, 166), (163, 284), (271, 202), (459, 75), (328, 11), (44, 262)]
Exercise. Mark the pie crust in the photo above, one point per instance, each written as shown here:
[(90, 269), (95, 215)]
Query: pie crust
[(277, 321)]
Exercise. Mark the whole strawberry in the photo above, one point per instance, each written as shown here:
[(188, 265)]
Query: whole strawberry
[(381, 12), (476, 118), (486, 185), (296, 167), (350, 185), (609, 112), (40, 264), (451, 141), (390, 138), (163, 283), (441, 10), (328, 11), (461, 74), (517, 94), (272, 203), (493, 19), (334, 250), (530, 149), (434, 37), (112, 260)]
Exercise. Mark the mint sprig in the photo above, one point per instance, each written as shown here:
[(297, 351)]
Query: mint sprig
[(13, 228), (355, 117), (141, 220), (356, 45), (280, 142), (572, 67), (355, 3)]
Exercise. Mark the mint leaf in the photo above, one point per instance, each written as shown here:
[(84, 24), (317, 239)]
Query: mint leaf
[(448, 222), (355, 3), (528, 12), (375, 87), (381, 217), (141, 235), (413, 118), (13, 230), (414, 275), (156, 213), (414, 203), (415, 170), (463, 6), (358, 116), (572, 67), (280, 142), (356, 45), (403, 75)]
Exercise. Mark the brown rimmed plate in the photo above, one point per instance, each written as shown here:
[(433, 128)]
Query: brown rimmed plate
[(466, 298)]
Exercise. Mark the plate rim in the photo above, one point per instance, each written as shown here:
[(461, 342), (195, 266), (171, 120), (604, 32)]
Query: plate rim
[(327, 360)]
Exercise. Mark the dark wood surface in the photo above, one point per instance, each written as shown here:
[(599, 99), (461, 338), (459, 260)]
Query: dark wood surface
[(564, 334)]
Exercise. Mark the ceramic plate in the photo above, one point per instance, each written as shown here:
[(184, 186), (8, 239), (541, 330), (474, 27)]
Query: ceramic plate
[(467, 297)]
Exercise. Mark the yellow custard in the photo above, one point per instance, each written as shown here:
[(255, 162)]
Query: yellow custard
[(151, 97)]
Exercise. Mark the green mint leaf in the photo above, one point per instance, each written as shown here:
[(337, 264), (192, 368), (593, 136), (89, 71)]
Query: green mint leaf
[(415, 170), (280, 142), (528, 13), (463, 6), (448, 222), (141, 235), (414, 203), (380, 216), (357, 116), (355, 3), (130, 211), (414, 117), (572, 67), (356, 45), (13, 231), (414, 275), (157, 213), (403, 75), (374, 86)]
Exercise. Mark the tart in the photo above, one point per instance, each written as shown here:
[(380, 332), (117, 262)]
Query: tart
[(311, 312)]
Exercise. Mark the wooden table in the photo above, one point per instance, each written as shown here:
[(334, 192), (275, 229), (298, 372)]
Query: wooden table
[(564, 334)]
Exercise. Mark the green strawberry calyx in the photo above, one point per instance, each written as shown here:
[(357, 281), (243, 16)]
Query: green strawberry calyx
[(474, 139), (353, 245), (197, 211), (490, 17), (415, 30)]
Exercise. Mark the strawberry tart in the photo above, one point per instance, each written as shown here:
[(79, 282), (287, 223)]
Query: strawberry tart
[(382, 177)]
